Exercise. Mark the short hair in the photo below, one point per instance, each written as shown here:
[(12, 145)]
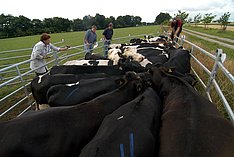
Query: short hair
[(94, 26), (44, 37), (110, 24)]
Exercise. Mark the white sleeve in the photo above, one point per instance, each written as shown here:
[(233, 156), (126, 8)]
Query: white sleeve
[(38, 52), (54, 47)]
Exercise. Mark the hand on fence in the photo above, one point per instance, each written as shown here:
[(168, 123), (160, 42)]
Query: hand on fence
[(67, 46)]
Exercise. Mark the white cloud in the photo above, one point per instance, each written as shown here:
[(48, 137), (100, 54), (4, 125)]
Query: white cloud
[(147, 9)]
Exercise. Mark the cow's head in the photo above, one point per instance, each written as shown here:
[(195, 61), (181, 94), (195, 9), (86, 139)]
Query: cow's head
[(135, 79), (113, 54), (132, 52)]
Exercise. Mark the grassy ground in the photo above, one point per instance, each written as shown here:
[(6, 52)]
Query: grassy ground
[(214, 31)]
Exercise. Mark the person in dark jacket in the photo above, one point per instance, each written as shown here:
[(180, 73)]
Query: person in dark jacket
[(107, 36)]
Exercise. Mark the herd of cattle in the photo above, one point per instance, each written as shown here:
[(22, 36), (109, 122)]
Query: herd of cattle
[(138, 102)]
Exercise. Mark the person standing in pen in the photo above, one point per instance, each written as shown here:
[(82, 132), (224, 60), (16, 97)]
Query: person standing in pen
[(39, 54), (176, 26), (107, 36), (90, 39)]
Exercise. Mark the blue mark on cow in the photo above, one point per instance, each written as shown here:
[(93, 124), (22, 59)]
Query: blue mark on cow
[(131, 145), (69, 95), (121, 150)]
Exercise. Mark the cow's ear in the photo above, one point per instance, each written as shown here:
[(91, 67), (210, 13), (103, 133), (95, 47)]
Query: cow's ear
[(120, 81)]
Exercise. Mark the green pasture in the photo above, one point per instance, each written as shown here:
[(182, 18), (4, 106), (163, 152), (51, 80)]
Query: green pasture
[(212, 31), (71, 38)]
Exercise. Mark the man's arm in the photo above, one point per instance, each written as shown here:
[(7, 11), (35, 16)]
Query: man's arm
[(179, 24), (87, 34), (104, 34)]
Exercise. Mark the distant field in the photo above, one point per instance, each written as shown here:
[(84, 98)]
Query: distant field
[(230, 27), (71, 38), (212, 31)]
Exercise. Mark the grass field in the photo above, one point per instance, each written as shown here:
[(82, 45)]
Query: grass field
[(76, 38), (217, 26), (212, 31)]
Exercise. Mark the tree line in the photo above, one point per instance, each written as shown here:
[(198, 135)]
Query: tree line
[(15, 26), (163, 18)]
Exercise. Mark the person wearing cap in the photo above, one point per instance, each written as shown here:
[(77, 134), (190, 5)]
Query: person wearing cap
[(90, 39), (39, 54), (107, 36), (176, 26)]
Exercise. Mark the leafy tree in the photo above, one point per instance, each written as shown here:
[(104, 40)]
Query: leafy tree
[(110, 19), (137, 20), (208, 19), (78, 25), (182, 15), (88, 21), (99, 20), (162, 17), (223, 20), (197, 19), (37, 26), (12, 26)]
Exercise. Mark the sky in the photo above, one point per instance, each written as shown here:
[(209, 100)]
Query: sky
[(146, 9)]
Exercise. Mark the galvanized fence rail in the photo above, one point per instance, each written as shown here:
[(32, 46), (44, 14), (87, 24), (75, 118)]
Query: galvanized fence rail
[(218, 59)]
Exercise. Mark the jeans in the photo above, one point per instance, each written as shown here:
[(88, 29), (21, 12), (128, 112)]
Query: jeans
[(105, 47), (88, 48)]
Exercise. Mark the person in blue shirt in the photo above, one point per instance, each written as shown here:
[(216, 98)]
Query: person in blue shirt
[(90, 39), (107, 36)]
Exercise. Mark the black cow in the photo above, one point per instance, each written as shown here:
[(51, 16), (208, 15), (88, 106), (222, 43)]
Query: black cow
[(84, 90), (180, 60), (63, 131), (137, 40), (128, 64), (77, 69), (92, 56), (41, 84), (191, 125), (134, 127), (149, 52)]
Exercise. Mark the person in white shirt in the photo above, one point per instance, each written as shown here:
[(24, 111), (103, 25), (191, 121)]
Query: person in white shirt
[(39, 54)]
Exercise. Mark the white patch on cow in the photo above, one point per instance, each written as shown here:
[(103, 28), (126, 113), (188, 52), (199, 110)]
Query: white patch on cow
[(121, 117), (145, 62), (114, 46), (76, 62), (131, 46), (72, 84), (162, 45), (87, 62), (164, 53), (154, 39), (114, 56), (40, 77), (157, 48), (132, 52), (39, 81), (43, 106)]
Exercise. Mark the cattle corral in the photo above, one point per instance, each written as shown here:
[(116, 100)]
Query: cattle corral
[(218, 59)]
